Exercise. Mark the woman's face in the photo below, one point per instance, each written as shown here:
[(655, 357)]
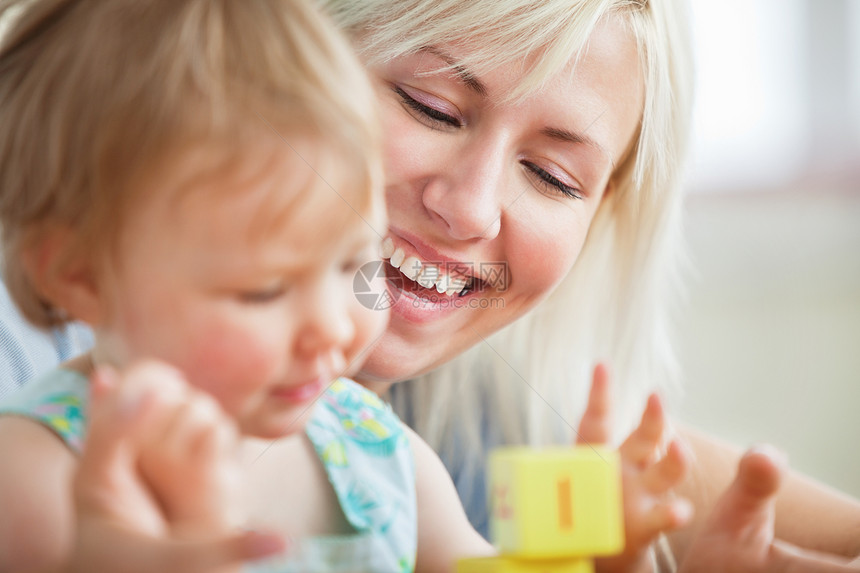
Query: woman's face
[(489, 196)]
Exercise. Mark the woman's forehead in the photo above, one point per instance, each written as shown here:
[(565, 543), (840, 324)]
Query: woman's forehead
[(539, 38)]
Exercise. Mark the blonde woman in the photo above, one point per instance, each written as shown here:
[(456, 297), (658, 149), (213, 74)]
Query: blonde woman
[(533, 160), (548, 136)]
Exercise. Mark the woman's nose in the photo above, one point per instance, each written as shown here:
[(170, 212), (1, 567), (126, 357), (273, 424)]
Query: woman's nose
[(465, 194)]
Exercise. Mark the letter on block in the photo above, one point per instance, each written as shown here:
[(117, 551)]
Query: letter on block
[(556, 502), (510, 565)]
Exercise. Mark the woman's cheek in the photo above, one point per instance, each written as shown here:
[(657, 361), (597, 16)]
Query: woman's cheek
[(545, 249)]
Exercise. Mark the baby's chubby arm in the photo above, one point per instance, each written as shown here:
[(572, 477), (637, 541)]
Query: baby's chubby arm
[(37, 515), (444, 531), (98, 513)]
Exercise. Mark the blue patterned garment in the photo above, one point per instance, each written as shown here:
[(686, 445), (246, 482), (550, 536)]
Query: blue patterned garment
[(358, 439), (57, 400), (369, 462)]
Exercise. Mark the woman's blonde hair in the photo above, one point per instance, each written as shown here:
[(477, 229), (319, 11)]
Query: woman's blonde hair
[(527, 383), (97, 96)]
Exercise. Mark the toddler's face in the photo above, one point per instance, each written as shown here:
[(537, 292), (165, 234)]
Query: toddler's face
[(245, 283)]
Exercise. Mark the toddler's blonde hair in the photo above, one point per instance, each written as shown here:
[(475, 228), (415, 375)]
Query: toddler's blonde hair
[(96, 96)]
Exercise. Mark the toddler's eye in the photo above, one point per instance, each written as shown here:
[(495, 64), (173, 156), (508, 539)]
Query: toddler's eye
[(263, 296), (351, 266)]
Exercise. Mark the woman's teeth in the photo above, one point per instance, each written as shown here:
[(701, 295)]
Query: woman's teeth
[(397, 258), (425, 274), (387, 248), (411, 268)]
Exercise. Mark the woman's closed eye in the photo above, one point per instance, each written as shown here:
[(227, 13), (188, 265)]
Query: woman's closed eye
[(425, 113), (549, 182)]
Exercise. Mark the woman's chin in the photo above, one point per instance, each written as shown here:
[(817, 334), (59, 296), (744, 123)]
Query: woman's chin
[(394, 360)]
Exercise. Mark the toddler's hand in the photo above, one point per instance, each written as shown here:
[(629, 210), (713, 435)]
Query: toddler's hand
[(187, 451), (121, 524), (648, 475)]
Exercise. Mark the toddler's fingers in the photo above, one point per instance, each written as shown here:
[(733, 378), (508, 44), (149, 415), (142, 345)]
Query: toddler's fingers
[(221, 438), (113, 421), (596, 423), (160, 389), (668, 516), (641, 446), (103, 380), (205, 557), (669, 471), (193, 428), (105, 545)]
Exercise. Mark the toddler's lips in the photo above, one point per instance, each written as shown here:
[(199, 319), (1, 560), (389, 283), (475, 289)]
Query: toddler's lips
[(301, 393)]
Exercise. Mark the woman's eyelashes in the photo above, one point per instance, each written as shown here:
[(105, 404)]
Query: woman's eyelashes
[(437, 119), (429, 115), (548, 181)]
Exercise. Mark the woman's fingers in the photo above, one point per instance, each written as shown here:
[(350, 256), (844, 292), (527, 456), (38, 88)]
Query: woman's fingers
[(787, 558), (595, 427), (642, 446), (738, 535), (748, 504)]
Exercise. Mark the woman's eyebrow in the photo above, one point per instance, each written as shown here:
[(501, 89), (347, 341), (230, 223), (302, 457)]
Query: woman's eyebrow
[(467, 77), (578, 138)]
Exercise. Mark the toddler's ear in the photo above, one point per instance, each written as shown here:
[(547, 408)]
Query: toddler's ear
[(64, 274)]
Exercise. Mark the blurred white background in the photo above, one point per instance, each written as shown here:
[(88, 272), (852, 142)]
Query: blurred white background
[(771, 335)]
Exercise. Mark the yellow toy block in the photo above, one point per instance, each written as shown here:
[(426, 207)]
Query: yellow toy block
[(556, 502), (512, 565)]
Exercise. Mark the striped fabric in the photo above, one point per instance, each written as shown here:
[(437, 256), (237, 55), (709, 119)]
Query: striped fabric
[(27, 351)]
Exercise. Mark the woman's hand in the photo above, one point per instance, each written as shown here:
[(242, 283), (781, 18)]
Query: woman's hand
[(738, 534), (148, 423), (648, 475)]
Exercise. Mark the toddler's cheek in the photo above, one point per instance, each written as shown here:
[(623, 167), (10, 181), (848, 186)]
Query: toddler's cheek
[(230, 367)]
